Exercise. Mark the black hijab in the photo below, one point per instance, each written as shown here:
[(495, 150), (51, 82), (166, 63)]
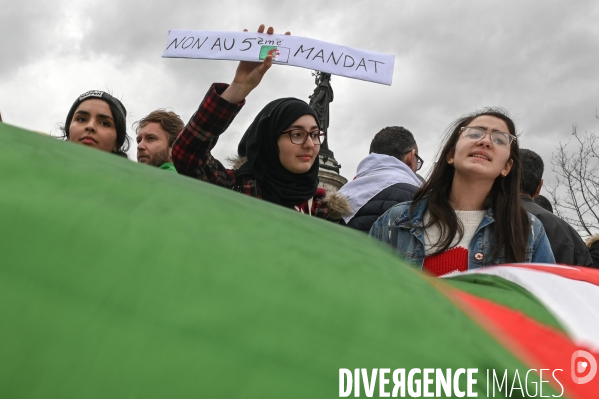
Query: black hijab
[(259, 145)]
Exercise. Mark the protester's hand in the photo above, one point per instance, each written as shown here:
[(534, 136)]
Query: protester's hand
[(248, 74)]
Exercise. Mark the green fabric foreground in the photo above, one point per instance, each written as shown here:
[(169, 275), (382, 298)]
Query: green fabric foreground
[(118, 280)]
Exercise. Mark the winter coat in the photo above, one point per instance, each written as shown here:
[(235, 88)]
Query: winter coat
[(380, 203), (566, 245)]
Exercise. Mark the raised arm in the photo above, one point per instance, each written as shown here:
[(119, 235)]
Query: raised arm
[(192, 149)]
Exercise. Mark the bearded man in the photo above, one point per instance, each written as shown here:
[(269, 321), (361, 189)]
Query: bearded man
[(156, 134)]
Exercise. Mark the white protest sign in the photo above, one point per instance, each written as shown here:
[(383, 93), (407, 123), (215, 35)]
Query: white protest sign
[(290, 50)]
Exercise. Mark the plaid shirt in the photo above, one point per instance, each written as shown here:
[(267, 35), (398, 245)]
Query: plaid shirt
[(191, 150), (192, 157)]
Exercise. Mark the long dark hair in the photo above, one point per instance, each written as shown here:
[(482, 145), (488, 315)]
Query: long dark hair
[(511, 227)]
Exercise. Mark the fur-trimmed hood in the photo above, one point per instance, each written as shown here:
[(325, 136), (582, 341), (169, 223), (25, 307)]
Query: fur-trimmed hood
[(337, 204), (592, 240), (236, 161)]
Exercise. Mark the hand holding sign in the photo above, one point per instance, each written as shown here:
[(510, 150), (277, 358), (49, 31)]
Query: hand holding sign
[(248, 75)]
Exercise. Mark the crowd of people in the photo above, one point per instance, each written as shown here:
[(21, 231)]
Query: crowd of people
[(479, 206)]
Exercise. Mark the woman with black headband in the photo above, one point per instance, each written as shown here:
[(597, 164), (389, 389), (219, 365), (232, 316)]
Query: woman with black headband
[(97, 119), (280, 148)]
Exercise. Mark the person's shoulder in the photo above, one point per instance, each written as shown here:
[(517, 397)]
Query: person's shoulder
[(550, 222), (539, 214), (400, 212), (535, 209), (402, 206), (535, 221), (402, 188), (387, 198), (398, 192)]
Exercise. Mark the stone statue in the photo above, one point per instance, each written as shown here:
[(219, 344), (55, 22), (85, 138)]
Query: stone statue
[(319, 101)]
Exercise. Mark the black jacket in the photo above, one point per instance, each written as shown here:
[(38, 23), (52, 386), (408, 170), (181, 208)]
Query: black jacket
[(567, 246), (370, 212)]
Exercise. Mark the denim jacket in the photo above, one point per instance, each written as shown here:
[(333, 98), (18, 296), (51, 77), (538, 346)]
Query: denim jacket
[(394, 227)]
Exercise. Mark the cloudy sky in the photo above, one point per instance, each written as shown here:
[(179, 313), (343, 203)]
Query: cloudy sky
[(537, 59)]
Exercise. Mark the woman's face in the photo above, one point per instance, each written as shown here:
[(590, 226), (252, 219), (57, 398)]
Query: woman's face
[(482, 159), (93, 125), (294, 157)]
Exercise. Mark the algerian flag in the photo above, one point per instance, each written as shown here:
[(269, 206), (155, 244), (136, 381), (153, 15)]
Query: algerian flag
[(546, 313), (120, 280)]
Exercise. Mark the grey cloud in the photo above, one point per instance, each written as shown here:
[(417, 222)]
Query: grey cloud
[(537, 59), (27, 31)]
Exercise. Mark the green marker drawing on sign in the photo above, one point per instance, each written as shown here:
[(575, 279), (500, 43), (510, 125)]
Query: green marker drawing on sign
[(268, 50)]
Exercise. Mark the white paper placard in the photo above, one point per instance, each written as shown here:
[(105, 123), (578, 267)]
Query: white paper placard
[(288, 50)]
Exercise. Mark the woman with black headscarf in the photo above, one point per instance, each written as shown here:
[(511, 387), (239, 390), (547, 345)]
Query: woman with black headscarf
[(280, 148)]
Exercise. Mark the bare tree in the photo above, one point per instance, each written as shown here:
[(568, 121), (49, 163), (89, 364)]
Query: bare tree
[(575, 193)]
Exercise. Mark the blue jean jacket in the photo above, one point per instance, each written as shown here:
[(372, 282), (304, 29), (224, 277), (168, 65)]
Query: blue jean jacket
[(406, 235)]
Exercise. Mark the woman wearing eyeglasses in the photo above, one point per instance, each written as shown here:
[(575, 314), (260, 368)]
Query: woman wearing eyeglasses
[(280, 148), (468, 213)]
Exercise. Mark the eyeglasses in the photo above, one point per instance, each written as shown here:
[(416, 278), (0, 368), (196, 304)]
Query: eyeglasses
[(419, 160), (499, 138), (300, 136)]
